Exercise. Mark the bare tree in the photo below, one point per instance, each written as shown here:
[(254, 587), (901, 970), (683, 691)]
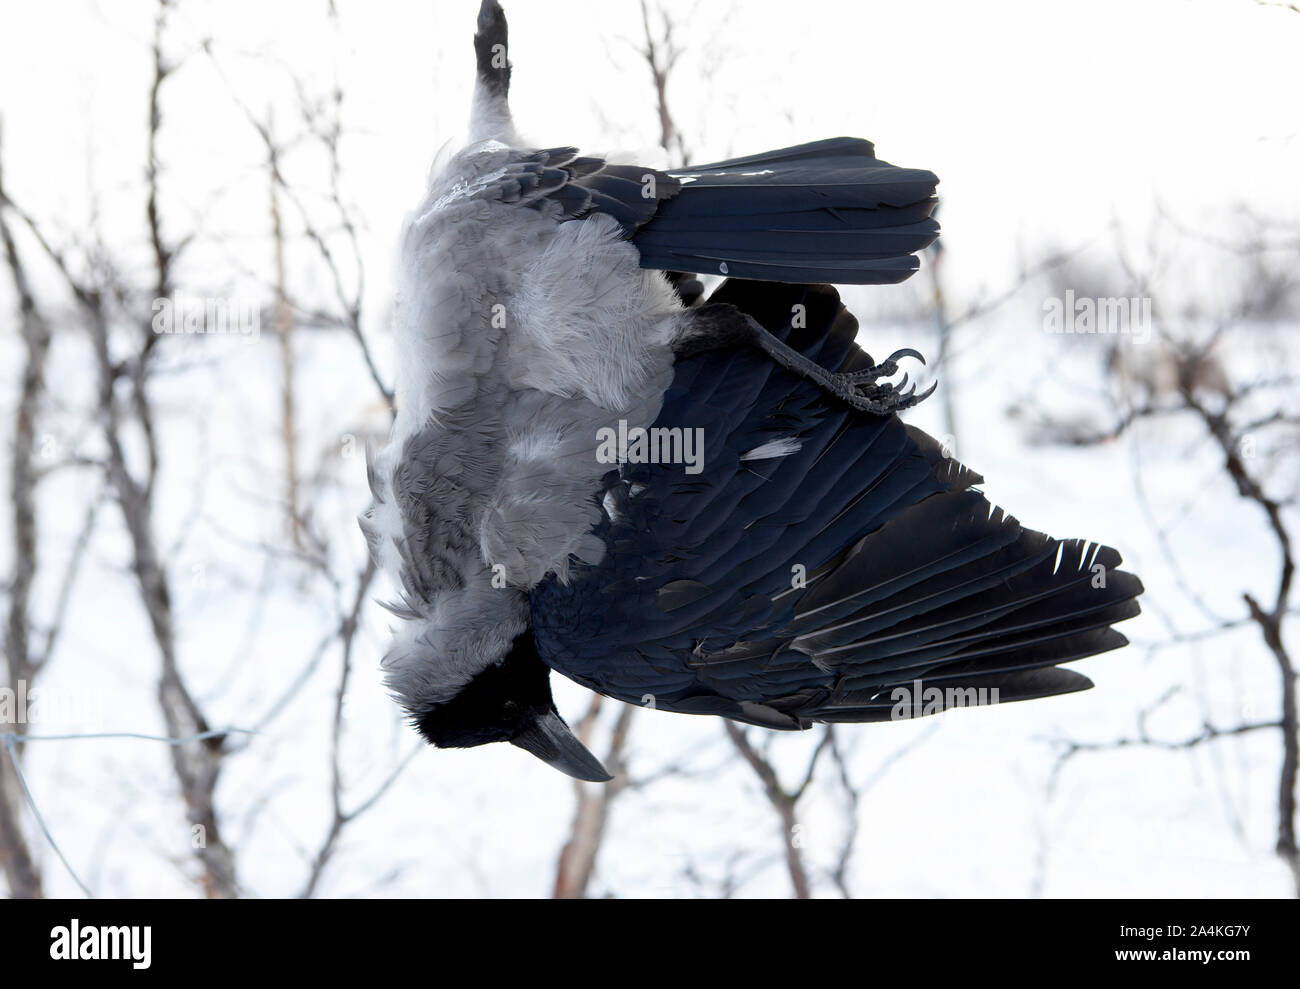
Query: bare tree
[(661, 52), (783, 800), (20, 868), (196, 755), (1252, 429), (577, 863), (284, 325)]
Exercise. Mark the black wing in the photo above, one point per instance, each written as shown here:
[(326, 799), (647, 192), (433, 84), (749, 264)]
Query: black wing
[(804, 587), (829, 211)]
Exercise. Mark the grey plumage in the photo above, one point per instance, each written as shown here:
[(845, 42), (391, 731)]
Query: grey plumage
[(519, 337)]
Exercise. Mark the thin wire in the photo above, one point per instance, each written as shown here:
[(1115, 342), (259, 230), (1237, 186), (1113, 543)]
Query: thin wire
[(11, 739), (31, 802)]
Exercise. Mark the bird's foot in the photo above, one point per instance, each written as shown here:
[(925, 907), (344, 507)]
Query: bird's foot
[(717, 326), (859, 388)]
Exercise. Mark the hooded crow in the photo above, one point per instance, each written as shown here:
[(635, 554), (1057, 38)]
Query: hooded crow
[(708, 508)]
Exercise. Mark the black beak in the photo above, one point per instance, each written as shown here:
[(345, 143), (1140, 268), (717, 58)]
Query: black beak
[(545, 735)]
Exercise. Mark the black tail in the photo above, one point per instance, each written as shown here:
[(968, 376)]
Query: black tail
[(829, 211)]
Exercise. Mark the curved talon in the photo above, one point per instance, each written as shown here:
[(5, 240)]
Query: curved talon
[(861, 390), (905, 352), (914, 399), (886, 368), (879, 401)]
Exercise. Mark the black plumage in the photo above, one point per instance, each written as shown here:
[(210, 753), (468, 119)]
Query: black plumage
[(829, 211), (908, 572)]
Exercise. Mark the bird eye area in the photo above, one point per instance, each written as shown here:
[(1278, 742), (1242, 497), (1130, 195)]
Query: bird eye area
[(492, 706)]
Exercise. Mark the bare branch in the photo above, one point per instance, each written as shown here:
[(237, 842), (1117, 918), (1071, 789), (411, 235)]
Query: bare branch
[(782, 801)]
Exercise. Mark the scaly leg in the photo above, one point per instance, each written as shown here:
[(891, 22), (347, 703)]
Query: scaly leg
[(716, 326)]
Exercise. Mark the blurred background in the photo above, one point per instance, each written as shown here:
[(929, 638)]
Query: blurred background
[(191, 703)]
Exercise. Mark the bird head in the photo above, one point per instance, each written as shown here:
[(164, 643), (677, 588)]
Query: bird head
[(511, 702), (463, 663)]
